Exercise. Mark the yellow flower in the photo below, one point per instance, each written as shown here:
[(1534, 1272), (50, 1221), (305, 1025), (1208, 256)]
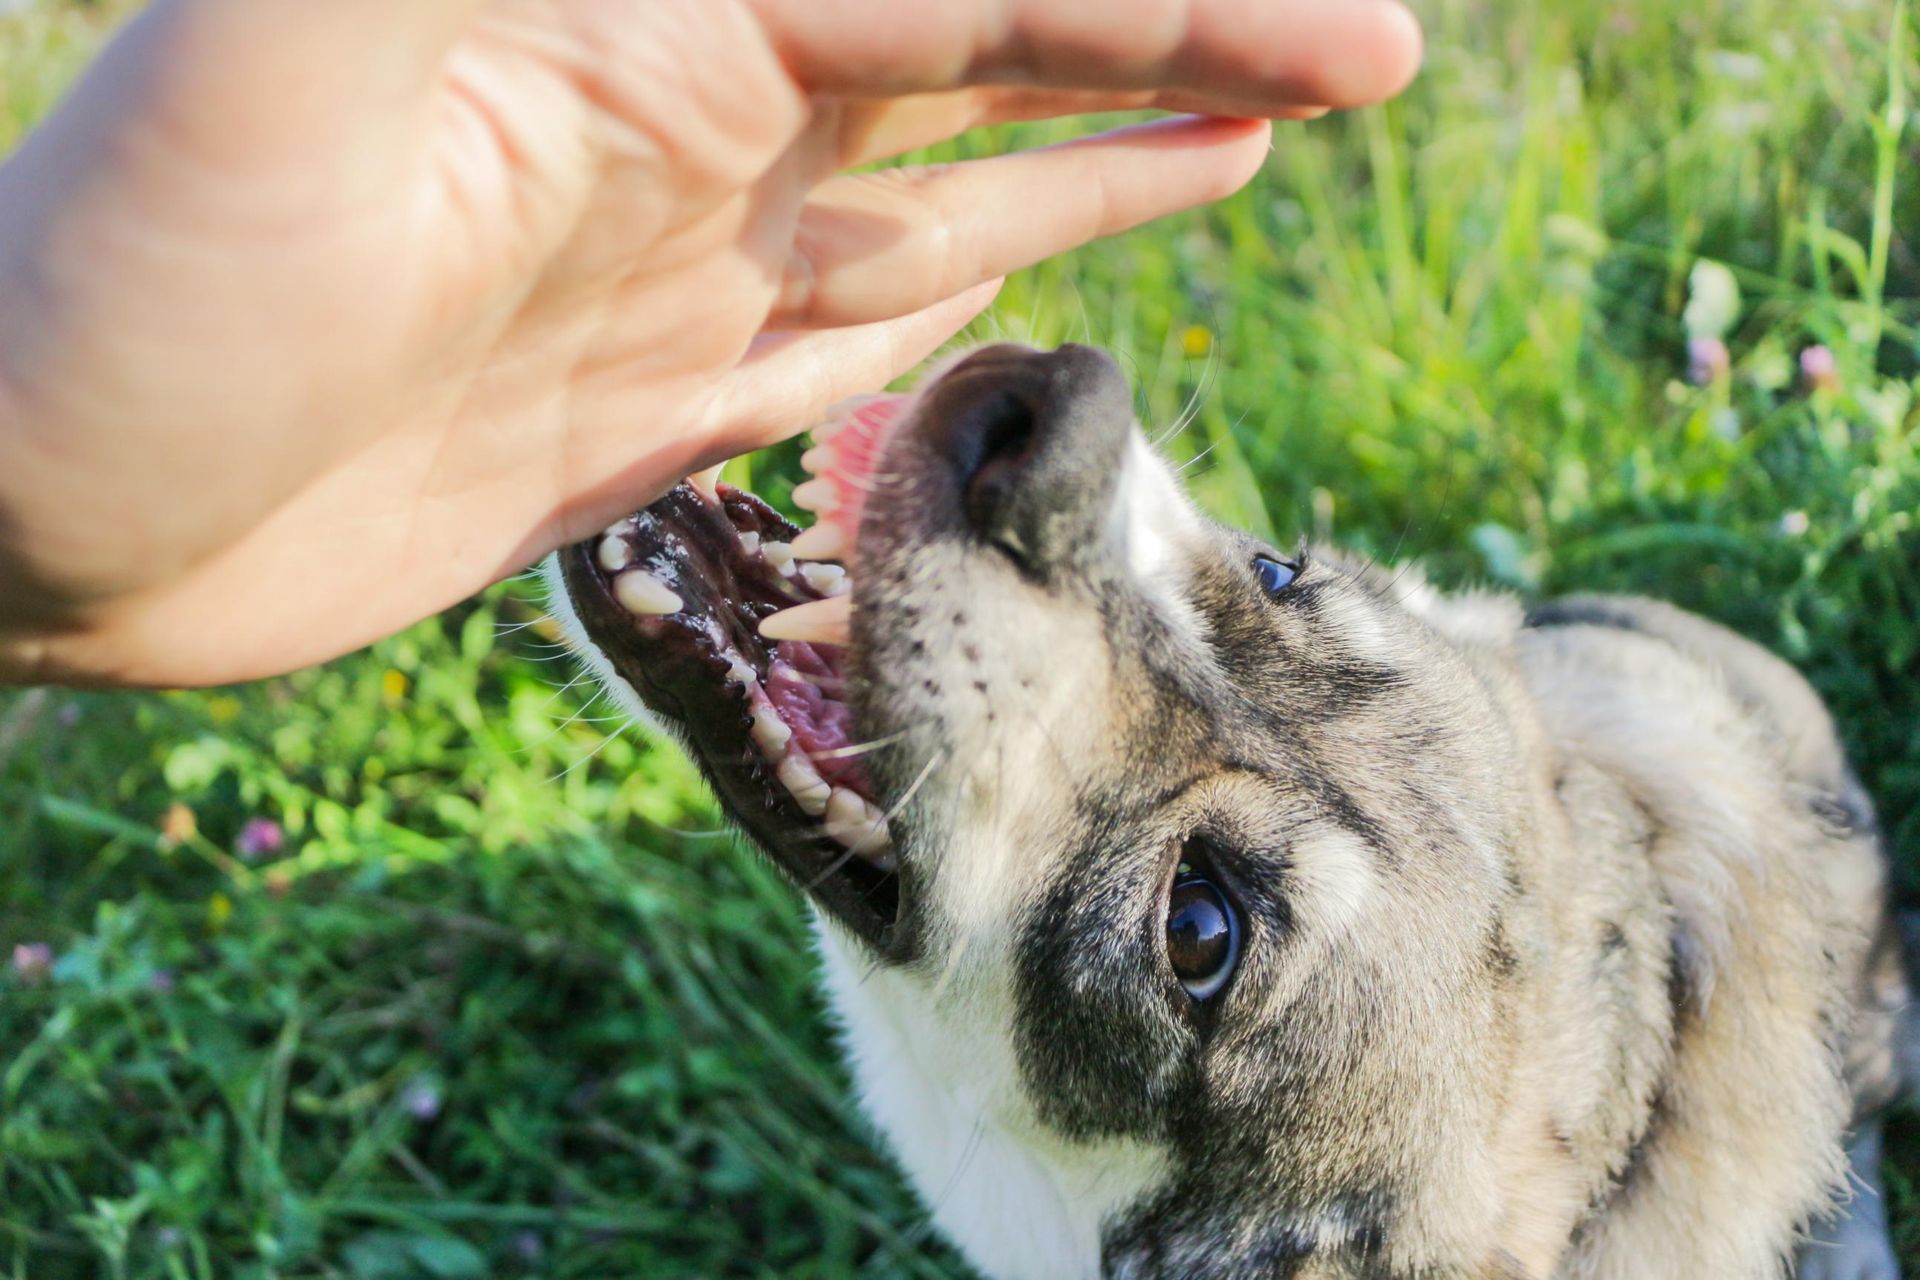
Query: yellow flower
[(223, 710), (219, 911), (1196, 340), (177, 825), (394, 685)]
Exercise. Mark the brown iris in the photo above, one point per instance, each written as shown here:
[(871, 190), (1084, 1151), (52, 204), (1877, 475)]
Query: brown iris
[(1203, 935)]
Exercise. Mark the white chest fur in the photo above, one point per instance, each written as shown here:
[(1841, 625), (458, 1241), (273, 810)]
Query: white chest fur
[(937, 1075)]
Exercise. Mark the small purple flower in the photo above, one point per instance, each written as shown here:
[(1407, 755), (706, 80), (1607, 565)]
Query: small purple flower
[(527, 1247), (161, 982), (1707, 360), (422, 1100), (260, 838), (32, 962), (68, 715), (1819, 368), (169, 1237)]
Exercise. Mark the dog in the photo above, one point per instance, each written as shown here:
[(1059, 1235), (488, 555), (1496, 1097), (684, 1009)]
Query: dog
[(1198, 909)]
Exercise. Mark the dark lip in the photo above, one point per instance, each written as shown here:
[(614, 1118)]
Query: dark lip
[(672, 662)]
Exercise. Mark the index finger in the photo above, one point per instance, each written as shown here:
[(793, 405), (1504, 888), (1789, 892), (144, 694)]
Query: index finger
[(1242, 55)]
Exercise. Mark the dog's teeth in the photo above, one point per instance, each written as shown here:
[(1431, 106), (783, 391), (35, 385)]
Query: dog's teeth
[(707, 483), (823, 577), (818, 496), (839, 415), (770, 732), (640, 592), (855, 823), (750, 543), (818, 460), (822, 542), (809, 790), (740, 673), (817, 622), (614, 552), (779, 555), (617, 528)]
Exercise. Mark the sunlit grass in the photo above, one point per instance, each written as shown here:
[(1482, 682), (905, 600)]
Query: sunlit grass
[(502, 1002)]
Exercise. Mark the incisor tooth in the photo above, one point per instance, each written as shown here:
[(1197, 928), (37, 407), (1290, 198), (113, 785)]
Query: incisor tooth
[(839, 415), (818, 496), (779, 555), (640, 592), (823, 577), (750, 543), (822, 542), (808, 788), (818, 460), (770, 732), (613, 553), (817, 621)]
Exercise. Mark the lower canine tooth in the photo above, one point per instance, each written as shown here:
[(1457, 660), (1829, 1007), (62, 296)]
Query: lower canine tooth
[(779, 555), (822, 542), (808, 788), (613, 553), (770, 732), (640, 592), (818, 621)]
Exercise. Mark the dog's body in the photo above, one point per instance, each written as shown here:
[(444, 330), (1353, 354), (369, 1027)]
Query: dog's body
[(1557, 944)]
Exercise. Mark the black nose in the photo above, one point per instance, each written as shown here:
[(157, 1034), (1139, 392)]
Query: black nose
[(1035, 439)]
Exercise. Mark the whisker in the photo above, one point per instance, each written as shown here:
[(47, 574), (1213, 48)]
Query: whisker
[(858, 748)]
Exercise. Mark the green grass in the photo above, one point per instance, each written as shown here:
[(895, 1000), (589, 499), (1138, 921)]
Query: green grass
[(506, 1004)]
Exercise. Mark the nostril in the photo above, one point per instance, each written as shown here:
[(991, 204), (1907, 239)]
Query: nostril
[(997, 444)]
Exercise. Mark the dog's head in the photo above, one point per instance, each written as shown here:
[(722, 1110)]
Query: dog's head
[(1146, 848)]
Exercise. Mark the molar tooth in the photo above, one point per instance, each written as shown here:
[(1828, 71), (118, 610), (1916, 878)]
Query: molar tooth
[(749, 543), (770, 732), (823, 577), (640, 592), (855, 823), (613, 553), (818, 621), (808, 788), (816, 495), (779, 555), (825, 541)]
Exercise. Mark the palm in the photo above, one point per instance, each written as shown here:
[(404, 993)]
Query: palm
[(402, 335)]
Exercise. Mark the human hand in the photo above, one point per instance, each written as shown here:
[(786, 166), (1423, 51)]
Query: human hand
[(317, 317)]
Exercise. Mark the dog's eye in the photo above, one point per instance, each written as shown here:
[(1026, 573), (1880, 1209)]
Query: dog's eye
[(1275, 575), (1203, 935)]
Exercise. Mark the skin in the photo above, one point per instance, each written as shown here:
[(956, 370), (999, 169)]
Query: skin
[(316, 318)]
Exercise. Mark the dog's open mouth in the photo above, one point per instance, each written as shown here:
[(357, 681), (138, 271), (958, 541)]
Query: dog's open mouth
[(731, 623)]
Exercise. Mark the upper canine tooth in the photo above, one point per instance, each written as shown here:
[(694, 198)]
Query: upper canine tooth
[(817, 495), (804, 783), (640, 592), (826, 621), (823, 577), (613, 553), (779, 555), (825, 541), (707, 482)]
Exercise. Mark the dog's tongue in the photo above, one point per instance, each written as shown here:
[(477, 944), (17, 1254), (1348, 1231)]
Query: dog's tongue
[(841, 463)]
